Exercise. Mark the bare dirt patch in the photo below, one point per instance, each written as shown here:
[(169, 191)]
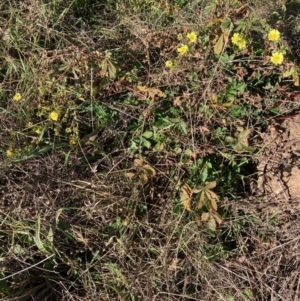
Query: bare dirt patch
[(279, 162)]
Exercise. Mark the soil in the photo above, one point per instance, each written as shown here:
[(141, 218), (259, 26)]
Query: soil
[(279, 163)]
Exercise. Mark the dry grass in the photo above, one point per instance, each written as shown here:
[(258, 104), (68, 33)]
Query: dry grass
[(90, 211)]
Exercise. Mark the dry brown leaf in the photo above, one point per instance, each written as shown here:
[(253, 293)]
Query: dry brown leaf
[(141, 88), (203, 130), (156, 91), (149, 170), (213, 204), (211, 195), (204, 217), (129, 174), (185, 196), (211, 185), (137, 162), (211, 223), (177, 101), (151, 92), (143, 178), (201, 201), (217, 217)]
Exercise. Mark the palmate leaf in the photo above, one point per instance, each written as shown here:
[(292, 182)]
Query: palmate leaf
[(207, 196)]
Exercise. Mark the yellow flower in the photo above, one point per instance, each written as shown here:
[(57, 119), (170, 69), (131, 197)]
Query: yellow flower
[(53, 115), (17, 97), (169, 64), (192, 36), (239, 41), (274, 35), (277, 58), (9, 153), (183, 49)]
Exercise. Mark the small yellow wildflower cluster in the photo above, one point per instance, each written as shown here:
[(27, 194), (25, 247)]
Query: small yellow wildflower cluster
[(239, 41), (273, 36), (183, 48), (277, 56)]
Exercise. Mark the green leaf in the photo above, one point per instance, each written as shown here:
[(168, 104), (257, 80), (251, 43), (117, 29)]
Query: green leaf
[(248, 295), (4, 288), (183, 127), (244, 134), (229, 139), (162, 123), (226, 23), (229, 298), (37, 238), (147, 134), (146, 143), (204, 174)]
